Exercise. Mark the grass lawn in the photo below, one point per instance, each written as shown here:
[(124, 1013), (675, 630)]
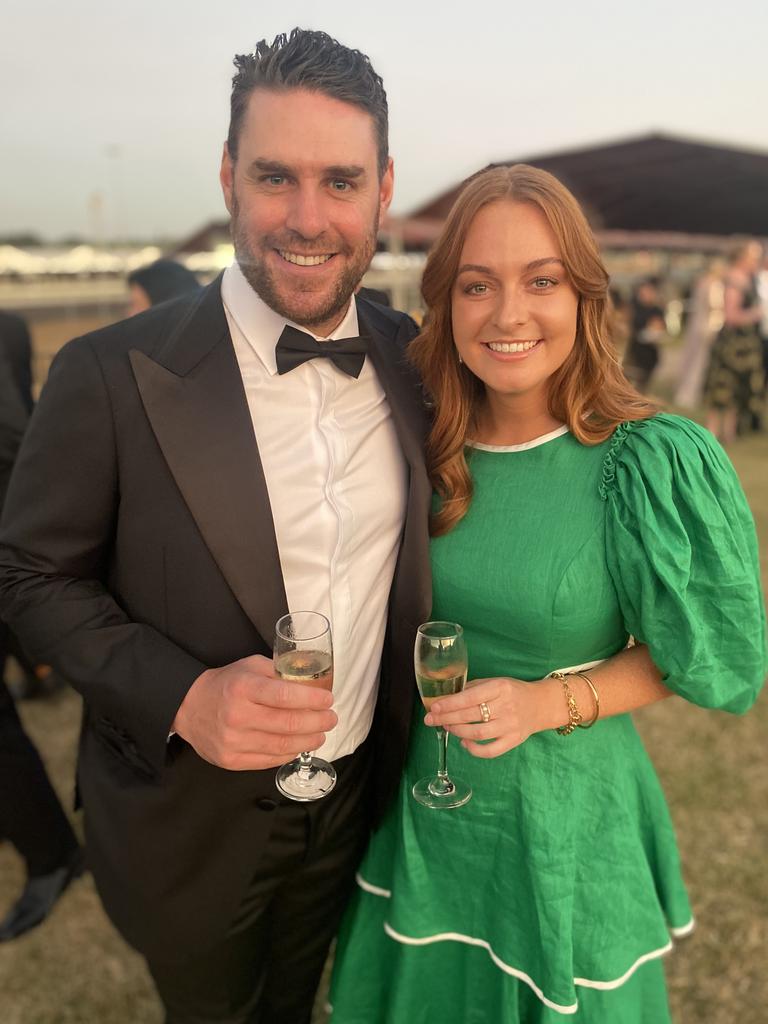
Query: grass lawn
[(76, 970)]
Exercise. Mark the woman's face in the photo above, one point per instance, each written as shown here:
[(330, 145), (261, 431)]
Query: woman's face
[(513, 307)]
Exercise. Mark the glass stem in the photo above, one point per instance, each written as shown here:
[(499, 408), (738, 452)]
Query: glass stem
[(442, 757), (305, 764)]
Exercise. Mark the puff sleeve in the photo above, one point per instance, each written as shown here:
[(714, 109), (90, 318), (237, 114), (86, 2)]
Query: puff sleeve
[(682, 552)]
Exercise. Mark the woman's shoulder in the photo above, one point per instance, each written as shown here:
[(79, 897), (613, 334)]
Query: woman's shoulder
[(658, 449)]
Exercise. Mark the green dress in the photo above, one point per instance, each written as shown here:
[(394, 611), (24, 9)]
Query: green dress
[(554, 891)]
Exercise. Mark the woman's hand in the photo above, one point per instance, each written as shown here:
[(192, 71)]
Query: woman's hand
[(515, 710)]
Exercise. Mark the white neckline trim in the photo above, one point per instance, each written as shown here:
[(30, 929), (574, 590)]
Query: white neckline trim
[(519, 447), (515, 972)]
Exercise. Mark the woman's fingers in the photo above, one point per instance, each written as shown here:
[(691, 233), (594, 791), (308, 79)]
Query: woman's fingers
[(465, 706), (483, 731), (490, 716), (488, 750)]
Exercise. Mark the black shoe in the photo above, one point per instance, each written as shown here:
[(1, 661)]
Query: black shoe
[(38, 898)]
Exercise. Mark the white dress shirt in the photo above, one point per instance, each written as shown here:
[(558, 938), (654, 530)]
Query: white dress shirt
[(336, 478)]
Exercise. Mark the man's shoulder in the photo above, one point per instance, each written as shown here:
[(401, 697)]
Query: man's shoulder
[(387, 320), (145, 331), (149, 332)]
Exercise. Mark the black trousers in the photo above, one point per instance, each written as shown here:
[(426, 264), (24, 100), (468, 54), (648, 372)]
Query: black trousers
[(31, 816), (267, 969)]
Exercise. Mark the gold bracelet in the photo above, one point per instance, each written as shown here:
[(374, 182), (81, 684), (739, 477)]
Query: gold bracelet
[(596, 697), (574, 715)]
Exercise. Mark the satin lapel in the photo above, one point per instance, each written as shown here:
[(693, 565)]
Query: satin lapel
[(412, 586), (193, 396)]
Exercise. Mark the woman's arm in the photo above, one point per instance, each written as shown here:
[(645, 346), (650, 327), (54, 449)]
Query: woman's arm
[(625, 682)]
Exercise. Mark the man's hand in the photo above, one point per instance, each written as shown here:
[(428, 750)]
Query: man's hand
[(242, 717)]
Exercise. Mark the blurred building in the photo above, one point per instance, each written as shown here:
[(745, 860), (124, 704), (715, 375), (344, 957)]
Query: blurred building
[(659, 204)]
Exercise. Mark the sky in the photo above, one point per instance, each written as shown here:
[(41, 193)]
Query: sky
[(113, 115)]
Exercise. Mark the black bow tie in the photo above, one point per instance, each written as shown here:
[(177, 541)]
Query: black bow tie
[(295, 347)]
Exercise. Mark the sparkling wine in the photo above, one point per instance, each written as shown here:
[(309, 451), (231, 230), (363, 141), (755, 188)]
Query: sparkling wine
[(440, 682), (313, 668)]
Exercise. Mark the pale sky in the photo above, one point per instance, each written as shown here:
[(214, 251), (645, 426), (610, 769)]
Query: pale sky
[(130, 101)]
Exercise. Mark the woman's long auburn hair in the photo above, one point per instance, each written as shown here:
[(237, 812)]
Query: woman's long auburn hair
[(589, 392)]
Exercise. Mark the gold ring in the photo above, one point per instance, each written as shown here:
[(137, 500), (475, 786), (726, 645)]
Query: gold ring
[(485, 711)]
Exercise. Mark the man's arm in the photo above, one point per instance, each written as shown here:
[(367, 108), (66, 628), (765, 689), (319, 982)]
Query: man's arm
[(55, 541)]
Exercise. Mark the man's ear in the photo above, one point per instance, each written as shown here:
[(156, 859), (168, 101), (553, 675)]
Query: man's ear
[(386, 187), (226, 177)]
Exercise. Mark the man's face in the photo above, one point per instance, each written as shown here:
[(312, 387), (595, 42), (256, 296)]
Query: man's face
[(305, 199)]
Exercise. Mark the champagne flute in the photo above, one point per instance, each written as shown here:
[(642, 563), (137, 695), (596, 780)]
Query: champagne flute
[(303, 653), (440, 661)]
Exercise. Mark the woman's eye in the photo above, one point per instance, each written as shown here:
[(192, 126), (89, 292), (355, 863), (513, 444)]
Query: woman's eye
[(476, 289), (544, 283)]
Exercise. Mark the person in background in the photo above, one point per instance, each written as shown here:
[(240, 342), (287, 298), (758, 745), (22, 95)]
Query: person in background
[(158, 282), (16, 349), (31, 816), (568, 516), (646, 330), (762, 291), (733, 391), (705, 319)]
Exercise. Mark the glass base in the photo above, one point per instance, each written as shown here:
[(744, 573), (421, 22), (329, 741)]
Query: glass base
[(306, 780), (434, 792)]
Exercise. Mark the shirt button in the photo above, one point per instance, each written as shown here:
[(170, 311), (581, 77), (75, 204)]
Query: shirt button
[(265, 804)]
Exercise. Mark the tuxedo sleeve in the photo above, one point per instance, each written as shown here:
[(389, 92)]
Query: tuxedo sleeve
[(56, 538)]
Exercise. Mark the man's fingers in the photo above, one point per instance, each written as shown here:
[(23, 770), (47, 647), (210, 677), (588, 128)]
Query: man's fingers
[(265, 750), (282, 693), (289, 722), (259, 664)]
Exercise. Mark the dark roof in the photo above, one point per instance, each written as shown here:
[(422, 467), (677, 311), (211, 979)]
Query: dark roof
[(655, 182)]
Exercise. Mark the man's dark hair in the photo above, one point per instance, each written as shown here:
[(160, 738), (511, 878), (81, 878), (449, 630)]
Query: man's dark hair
[(313, 61)]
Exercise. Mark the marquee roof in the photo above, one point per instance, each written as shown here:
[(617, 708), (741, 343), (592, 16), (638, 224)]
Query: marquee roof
[(655, 182)]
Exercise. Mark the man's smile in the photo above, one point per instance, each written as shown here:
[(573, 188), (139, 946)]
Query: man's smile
[(302, 260)]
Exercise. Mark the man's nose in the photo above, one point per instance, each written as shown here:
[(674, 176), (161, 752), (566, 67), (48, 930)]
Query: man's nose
[(307, 215)]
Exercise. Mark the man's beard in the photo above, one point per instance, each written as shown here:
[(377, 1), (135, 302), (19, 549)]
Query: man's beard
[(327, 307)]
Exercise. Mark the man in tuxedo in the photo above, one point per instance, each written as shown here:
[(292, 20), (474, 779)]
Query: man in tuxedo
[(189, 476)]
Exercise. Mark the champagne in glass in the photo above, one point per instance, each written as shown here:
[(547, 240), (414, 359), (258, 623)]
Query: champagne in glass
[(304, 654), (440, 662)]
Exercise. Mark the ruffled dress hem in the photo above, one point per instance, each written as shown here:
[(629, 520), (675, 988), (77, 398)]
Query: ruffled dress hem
[(677, 932)]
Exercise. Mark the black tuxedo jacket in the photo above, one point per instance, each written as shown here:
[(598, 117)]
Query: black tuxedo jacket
[(137, 549)]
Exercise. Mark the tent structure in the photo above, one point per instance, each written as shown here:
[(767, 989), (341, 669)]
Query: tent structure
[(654, 183)]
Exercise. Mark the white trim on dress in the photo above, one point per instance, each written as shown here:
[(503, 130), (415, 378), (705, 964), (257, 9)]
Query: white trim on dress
[(515, 972), (519, 447)]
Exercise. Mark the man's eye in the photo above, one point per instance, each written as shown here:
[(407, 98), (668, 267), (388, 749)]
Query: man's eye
[(274, 179), (340, 186)]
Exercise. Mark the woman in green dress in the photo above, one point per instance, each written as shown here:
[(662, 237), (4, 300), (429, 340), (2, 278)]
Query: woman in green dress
[(569, 521)]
